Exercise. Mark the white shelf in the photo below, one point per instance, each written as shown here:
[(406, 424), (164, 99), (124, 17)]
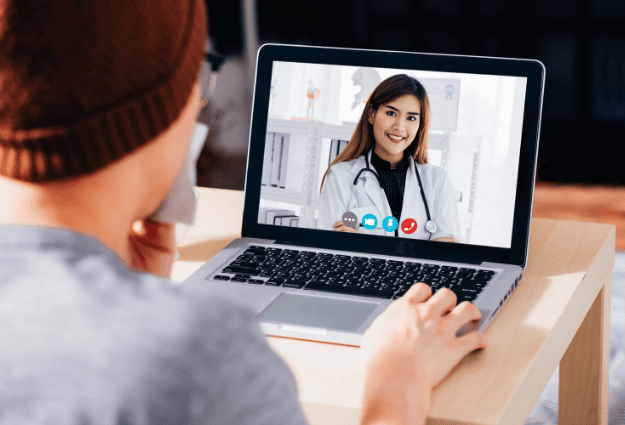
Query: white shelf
[(279, 194), (275, 125), (333, 131)]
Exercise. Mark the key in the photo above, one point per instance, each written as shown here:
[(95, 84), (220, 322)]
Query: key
[(238, 279), (393, 288), (251, 251), (241, 270), (294, 283), (465, 270)]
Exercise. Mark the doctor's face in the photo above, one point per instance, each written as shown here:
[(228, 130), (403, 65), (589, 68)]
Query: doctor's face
[(395, 126)]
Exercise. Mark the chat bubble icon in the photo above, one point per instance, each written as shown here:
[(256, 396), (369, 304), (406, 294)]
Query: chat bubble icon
[(350, 219)]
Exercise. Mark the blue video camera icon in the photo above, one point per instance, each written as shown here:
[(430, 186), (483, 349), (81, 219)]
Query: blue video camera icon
[(369, 222)]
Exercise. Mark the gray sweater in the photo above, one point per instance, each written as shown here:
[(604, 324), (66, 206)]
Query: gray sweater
[(85, 340)]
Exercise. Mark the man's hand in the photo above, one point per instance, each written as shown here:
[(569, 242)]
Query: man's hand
[(152, 246), (409, 349)]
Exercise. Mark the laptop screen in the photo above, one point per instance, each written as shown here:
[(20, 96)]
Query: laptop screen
[(402, 153)]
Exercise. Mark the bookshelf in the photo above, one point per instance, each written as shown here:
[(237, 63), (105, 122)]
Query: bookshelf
[(448, 143)]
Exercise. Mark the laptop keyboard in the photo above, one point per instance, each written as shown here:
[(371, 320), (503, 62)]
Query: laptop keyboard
[(346, 274)]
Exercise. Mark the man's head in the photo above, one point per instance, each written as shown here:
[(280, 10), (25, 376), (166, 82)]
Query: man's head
[(98, 101), (83, 84)]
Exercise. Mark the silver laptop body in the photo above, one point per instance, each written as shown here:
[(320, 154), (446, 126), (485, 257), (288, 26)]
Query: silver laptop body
[(331, 316)]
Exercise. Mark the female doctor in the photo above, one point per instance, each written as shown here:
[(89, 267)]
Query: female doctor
[(384, 171)]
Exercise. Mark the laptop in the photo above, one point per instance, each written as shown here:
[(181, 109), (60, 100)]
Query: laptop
[(307, 281)]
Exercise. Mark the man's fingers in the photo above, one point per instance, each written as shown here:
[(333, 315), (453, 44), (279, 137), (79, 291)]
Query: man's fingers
[(472, 341), (152, 246), (418, 293), (338, 224), (464, 313), (155, 234), (443, 301)]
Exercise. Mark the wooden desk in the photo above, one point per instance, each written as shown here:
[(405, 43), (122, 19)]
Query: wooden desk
[(560, 313)]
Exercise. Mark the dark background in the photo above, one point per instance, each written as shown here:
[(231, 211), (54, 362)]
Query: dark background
[(581, 43)]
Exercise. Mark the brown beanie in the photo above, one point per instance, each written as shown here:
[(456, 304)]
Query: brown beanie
[(85, 82)]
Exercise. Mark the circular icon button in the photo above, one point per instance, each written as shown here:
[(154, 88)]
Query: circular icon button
[(409, 226), (349, 219), (369, 221), (390, 223)]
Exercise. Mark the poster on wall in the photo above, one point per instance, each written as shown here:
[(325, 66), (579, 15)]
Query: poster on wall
[(443, 95)]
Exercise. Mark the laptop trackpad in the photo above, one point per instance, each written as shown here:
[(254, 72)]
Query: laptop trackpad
[(318, 312)]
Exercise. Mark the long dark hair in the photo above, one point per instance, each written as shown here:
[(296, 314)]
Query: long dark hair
[(388, 90)]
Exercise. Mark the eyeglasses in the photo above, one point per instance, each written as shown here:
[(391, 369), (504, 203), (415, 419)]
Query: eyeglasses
[(208, 75)]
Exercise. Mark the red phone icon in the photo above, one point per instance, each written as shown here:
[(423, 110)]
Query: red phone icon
[(409, 226)]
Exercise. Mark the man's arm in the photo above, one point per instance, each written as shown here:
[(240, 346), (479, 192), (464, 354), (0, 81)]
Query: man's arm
[(394, 402), (248, 383)]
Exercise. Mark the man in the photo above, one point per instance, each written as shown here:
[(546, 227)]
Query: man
[(98, 102)]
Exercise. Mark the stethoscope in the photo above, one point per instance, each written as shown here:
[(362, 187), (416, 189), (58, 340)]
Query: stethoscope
[(430, 226)]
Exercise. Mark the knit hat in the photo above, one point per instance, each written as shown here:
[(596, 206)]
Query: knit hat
[(83, 83)]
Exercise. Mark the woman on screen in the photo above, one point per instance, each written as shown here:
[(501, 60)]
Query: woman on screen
[(381, 183)]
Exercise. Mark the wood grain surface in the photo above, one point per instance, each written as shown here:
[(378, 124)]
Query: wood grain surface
[(569, 263)]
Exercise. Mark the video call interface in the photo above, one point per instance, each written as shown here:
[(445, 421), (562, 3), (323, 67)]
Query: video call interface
[(318, 126)]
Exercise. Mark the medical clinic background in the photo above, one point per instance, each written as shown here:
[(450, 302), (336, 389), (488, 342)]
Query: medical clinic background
[(475, 136)]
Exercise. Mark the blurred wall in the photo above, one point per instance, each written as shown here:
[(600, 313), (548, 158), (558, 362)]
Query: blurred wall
[(581, 43), (223, 158)]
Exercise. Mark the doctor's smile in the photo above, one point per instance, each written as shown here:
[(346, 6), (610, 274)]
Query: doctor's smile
[(395, 138), (384, 171)]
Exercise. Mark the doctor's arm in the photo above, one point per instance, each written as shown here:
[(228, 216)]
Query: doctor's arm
[(339, 226), (449, 239)]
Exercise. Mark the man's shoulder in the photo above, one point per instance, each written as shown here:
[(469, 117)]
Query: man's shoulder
[(81, 326), (75, 279)]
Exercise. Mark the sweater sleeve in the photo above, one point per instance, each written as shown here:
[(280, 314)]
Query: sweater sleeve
[(246, 382)]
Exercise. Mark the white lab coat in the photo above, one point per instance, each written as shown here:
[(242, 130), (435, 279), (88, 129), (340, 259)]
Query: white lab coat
[(369, 198)]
